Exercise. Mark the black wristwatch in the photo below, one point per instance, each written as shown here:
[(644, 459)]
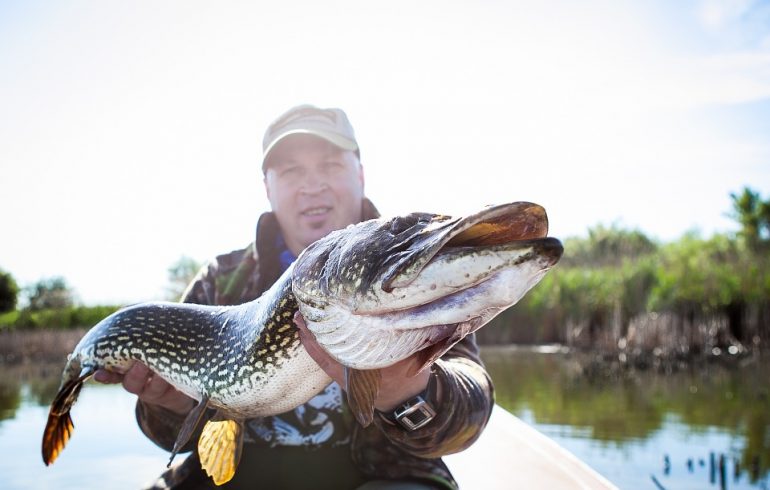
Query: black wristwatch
[(417, 411), (414, 413)]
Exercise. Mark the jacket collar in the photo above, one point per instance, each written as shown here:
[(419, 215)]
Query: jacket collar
[(266, 248)]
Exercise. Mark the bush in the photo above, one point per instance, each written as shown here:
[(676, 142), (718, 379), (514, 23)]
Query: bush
[(9, 292), (51, 293), (8, 320), (614, 277), (56, 318)]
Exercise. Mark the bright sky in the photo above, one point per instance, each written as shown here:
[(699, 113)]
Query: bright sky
[(130, 131)]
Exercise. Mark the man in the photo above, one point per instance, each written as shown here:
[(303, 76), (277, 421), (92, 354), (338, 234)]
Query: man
[(315, 184)]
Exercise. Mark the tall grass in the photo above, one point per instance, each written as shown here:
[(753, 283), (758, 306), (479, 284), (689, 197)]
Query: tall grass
[(55, 318), (618, 290)]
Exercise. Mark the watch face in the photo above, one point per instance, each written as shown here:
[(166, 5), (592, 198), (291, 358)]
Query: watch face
[(419, 417), (415, 413)]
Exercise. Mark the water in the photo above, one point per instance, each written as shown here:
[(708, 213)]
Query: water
[(107, 450), (634, 426), (623, 424)]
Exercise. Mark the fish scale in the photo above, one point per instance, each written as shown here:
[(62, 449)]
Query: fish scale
[(201, 350), (373, 294)]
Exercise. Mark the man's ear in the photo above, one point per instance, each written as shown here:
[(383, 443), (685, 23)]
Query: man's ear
[(267, 186)]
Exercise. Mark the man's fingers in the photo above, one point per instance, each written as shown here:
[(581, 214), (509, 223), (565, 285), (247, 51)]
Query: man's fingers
[(309, 342), (324, 360), (155, 388), (109, 377), (140, 381), (135, 378), (404, 366), (299, 320)]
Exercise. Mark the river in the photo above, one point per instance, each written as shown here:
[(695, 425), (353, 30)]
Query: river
[(640, 429)]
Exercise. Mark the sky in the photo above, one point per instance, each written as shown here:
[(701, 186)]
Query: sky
[(130, 131)]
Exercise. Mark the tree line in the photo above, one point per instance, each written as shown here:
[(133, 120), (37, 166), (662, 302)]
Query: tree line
[(614, 290), (619, 290), (51, 303)]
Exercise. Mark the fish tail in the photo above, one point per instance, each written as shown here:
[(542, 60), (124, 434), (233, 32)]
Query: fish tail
[(59, 427)]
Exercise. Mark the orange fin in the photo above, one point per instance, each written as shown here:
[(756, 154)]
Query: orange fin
[(362, 387), (59, 426), (58, 430), (219, 448)]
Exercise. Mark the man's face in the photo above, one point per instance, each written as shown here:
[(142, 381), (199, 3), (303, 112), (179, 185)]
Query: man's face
[(314, 188)]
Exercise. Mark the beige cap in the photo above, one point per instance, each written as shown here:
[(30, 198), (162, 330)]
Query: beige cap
[(330, 124)]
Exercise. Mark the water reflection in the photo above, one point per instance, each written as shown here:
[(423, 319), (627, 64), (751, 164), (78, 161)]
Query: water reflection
[(41, 381), (10, 398), (107, 449), (644, 414), (634, 427)]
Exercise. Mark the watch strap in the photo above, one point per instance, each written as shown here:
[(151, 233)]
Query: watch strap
[(417, 411)]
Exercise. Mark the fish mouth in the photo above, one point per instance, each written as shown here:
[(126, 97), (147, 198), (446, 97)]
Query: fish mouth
[(495, 225), (422, 281), (442, 337), (521, 224)]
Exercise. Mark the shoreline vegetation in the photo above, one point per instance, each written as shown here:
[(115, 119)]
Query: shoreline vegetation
[(622, 295), (628, 298), (50, 346), (41, 346), (616, 293)]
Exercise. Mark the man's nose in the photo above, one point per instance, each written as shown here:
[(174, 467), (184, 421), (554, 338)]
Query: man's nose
[(314, 182)]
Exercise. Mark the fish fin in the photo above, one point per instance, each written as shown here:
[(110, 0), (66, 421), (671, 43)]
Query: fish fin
[(427, 356), (188, 427), (362, 387), (219, 449), (57, 432), (59, 427)]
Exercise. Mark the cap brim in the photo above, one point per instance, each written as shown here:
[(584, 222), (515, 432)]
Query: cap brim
[(333, 138)]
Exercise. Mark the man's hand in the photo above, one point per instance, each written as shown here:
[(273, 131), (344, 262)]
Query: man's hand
[(150, 388), (395, 388)]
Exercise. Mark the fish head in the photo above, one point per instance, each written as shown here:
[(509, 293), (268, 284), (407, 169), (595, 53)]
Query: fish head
[(381, 290)]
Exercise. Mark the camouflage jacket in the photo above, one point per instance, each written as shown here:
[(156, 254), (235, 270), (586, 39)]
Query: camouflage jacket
[(461, 389)]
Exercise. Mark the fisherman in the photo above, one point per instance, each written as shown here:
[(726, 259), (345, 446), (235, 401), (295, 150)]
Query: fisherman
[(315, 184)]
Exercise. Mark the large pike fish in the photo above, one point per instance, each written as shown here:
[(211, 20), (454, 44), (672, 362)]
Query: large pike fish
[(372, 294)]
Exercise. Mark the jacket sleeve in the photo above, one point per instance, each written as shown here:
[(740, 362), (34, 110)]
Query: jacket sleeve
[(463, 399), (161, 426)]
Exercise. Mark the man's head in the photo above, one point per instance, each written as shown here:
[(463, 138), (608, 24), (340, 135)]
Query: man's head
[(312, 173)]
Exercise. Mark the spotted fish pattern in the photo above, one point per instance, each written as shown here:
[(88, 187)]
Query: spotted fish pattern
[(211, 353), (422, 274)]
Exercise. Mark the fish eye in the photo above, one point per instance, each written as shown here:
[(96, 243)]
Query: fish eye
[(403, 223)]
